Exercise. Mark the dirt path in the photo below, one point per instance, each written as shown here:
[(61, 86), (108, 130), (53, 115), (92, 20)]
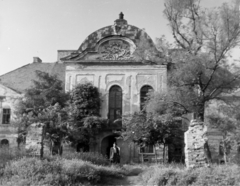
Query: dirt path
[(128, 180)]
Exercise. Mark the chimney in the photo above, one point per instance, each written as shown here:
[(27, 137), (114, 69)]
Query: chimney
[(37, 60)]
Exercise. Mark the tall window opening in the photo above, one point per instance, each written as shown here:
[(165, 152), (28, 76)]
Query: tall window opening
[(143, 95), (6, 116), (115, 103)]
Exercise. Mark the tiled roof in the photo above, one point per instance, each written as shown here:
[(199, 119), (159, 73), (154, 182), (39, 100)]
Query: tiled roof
[(21, 78)]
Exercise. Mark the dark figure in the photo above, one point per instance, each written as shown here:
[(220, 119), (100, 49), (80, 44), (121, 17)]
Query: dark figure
[(115, 153)]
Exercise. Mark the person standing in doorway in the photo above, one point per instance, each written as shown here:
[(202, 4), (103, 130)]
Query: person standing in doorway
[(115, 153)]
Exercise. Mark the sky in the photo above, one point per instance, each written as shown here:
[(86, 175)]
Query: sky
[(38, 28)]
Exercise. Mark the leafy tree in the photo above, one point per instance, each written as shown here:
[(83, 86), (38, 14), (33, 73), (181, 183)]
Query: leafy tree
[(86, 101), (199, 71), (151, 129), (227, 127), (226, 119), (85, 115), (44, 103), (46, 90), (56, 126)]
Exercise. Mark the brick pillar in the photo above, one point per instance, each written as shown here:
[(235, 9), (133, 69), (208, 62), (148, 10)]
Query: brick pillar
[(195, 138)]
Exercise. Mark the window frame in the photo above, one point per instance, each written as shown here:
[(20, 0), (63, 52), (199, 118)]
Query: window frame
[(115, 103), (144, 93), (6, 116)]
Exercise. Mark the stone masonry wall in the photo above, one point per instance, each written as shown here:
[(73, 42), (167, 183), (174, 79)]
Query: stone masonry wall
[(34, 139), (195, 138)]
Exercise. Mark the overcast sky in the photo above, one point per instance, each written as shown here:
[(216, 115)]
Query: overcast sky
[(31, 28)]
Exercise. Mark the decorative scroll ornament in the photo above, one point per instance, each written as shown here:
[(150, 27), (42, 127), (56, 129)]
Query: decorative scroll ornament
[(115, 50)]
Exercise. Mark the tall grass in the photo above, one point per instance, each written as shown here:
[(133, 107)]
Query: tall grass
[(59, 171), (224, 175), (7, 154), (93, 157)]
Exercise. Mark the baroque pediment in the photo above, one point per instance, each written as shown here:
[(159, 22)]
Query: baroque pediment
[(119, 42), (110, 49), (115, 50)]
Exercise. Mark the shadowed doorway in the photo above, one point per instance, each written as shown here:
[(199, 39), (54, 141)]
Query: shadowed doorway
[(107, 143)]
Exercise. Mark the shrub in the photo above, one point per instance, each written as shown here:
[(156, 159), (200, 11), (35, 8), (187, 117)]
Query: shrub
[(228, 175), (93, 157), (7, 154), (58, 171), (219, 175)]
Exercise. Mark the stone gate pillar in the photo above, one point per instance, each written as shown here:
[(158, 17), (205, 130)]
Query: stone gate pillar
[(195, 138), (34, 139)]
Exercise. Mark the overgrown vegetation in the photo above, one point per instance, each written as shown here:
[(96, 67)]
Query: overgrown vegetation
[(45, 102), (224, 175), (84, 115), (59, 171), (199, 71), (90, 169), (72, 117), (93, 157), (147, 128)]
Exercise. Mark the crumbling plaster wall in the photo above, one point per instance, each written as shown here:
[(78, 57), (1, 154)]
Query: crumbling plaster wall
[(10, 99), (130, 78)]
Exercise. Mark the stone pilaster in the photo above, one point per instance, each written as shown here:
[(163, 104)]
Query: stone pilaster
[(195, 138)]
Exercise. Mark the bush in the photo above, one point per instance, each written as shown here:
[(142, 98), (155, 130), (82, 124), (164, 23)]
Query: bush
[(58, 171), (228, 175), (7, 154), (93, 157)]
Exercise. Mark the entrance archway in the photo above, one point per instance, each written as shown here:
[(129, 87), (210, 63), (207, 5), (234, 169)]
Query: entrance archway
[(107, 143)]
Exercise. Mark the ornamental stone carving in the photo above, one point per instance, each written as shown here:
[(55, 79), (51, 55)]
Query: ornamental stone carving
[(115, 50), (82, 79)]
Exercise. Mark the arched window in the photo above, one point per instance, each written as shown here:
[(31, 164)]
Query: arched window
[(143, 95), (4, 142), (115, 103)]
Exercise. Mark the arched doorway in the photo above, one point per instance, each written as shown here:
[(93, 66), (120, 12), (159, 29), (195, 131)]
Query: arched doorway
[(107, 143), (4, 143), (115, 103)]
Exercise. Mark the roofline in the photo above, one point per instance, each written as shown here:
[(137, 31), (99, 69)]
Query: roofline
[(13, 70), (79, 48), (17, 91), (65, 50), (27, 65), (108, 62)]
